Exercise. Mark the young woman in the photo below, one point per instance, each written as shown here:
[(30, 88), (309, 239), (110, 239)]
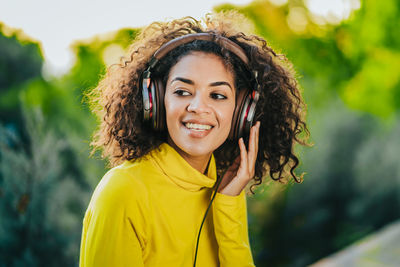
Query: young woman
[(198, 111)]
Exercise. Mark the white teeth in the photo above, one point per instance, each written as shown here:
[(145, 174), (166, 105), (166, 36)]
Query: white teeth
[(198, 127)]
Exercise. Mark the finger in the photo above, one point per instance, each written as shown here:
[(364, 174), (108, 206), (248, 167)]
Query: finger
[(252, 155), (254, 152), (243, 150), (257, 137), (243, 168), (251, 138), (256, 142)]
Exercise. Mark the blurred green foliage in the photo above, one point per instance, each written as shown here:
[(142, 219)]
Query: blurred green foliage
[(356, 59), (46, 177), (351, 83), (20, 61)]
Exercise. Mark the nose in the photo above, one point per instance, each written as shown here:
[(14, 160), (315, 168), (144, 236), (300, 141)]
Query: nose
[(199, 104)]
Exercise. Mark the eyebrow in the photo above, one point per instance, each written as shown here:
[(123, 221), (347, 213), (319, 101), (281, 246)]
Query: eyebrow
[(184, 80)]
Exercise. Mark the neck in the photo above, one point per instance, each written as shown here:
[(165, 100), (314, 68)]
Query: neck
[(200, 163)]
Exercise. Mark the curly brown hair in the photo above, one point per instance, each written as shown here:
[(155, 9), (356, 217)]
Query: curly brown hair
[(117, 99)]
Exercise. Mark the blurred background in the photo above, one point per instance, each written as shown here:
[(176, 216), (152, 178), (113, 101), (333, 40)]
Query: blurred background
[(347, 57)]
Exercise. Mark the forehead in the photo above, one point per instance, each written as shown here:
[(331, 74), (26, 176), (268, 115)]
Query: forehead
[(203, 66)]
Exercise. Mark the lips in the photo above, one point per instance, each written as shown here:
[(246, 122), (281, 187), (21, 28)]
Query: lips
[(197, 129), (197, 126)]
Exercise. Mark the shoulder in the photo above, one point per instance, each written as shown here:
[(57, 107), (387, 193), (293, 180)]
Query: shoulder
[(119, 202), (122, 187)]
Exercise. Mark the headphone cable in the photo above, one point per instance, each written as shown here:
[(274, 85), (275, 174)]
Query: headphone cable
[(204, 218)]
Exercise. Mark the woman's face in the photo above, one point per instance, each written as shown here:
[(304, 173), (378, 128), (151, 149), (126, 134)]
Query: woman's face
[(199, 104)]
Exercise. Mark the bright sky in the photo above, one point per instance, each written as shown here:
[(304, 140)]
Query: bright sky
[(57, 23)]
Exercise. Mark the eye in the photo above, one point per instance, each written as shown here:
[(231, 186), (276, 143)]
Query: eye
[(218, 96), (181, 92)]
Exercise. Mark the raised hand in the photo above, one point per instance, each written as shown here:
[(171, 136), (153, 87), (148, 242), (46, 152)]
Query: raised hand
[(241, 171)]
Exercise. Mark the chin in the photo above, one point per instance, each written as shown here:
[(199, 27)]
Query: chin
[(198, 151), (195, 148)]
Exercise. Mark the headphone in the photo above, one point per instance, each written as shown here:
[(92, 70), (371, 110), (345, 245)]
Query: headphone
[(153, 89)]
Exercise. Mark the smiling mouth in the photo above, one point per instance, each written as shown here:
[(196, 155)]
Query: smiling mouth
[(197, 127)]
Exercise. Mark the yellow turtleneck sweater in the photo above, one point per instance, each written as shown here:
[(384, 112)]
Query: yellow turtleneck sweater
[(148, 213)]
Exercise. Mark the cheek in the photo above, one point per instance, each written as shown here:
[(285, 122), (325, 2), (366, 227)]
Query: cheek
[(169, 106), (225, 115), (173, 108)]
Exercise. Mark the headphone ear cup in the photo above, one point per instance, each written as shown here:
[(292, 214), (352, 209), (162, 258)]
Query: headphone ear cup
[(243, 126), (159, 118), (244, 114), (153, 102), (154, 107), (250, 112), (240, 103), (146, 98)]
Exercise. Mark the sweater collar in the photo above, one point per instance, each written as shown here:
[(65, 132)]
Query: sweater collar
[(180, 171)]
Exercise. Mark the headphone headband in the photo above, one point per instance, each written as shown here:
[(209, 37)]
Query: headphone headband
[(184, 39)]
